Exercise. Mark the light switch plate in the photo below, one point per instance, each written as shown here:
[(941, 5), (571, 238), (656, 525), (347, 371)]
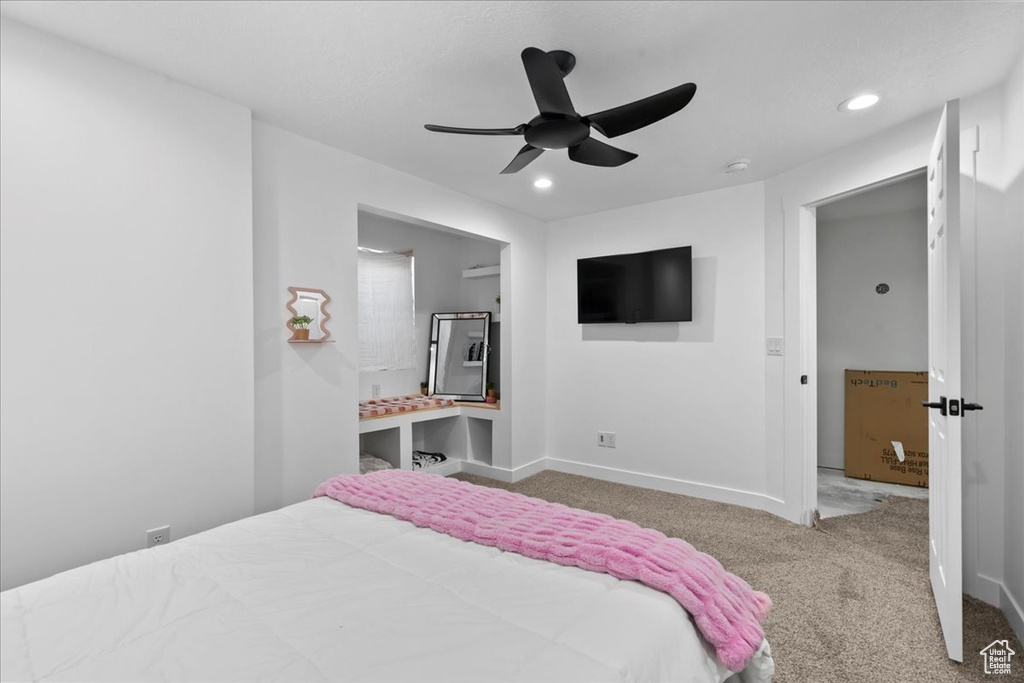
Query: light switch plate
[(775, 346)]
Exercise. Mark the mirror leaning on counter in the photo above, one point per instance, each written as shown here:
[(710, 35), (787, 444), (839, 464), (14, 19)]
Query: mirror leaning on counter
[(459, 351)]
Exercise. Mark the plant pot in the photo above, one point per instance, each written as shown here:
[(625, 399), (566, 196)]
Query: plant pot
[(423, 390), (490, 399), (302, 335)]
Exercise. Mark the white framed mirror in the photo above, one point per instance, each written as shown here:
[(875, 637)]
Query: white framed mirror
[(459, 350)]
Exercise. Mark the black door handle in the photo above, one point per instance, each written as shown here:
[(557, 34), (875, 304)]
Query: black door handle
[(971, 406), (941, 405)]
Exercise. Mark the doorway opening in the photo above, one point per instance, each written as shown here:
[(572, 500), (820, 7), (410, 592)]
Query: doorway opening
[(869, 345), (952, 354)]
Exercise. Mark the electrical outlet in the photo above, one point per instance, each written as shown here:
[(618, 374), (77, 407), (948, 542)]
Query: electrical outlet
[(606, 439), (158, 536), (376, 391)]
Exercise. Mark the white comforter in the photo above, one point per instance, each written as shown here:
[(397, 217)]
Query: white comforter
[(321, 591)]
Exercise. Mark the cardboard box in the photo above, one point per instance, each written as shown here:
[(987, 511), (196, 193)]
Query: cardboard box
[(882, 408)]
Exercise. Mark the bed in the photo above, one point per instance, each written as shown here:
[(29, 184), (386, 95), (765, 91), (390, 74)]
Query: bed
[(323, 591)]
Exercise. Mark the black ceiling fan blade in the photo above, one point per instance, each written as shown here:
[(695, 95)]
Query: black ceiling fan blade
[(546, 82), (635, 115), (518, 130), (525, 156), (597, 153)]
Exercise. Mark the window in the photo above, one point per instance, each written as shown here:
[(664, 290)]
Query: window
[(387, 334)]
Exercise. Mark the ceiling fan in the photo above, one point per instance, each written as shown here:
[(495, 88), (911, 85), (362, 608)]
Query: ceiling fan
[(559, 126)]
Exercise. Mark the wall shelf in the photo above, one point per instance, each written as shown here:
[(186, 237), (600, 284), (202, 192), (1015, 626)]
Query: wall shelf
[(486, 271)]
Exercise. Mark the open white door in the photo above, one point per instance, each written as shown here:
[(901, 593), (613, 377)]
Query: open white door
[(944, 392)]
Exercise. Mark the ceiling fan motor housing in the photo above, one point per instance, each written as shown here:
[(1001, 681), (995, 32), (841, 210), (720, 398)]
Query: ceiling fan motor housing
[(549, 132)]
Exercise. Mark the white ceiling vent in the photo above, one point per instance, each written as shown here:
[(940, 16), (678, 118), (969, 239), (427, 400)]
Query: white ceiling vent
[(738, 166)]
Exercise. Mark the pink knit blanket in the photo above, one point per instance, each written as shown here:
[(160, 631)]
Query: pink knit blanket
[(724, 607)]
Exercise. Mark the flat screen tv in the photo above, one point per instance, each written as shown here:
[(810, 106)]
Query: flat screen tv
[(648, 287)]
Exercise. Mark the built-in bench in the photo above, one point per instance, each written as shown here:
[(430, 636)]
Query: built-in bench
[(462, 431)]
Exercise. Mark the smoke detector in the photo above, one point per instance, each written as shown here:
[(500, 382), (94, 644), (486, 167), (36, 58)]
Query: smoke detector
[(738, 166)]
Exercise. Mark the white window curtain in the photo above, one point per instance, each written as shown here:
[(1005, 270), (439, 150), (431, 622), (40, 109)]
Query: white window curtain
[(387, 312)]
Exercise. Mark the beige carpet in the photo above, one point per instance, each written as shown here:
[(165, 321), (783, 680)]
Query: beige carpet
[(852, 602)]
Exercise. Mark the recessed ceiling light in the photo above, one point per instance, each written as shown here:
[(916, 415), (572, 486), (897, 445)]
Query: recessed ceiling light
[(859, 102), (542, 183)]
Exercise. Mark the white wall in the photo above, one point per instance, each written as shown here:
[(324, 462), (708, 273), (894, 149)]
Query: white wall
[(857, 327), (126, 300), (686, 400), (478, 293), (307, 199)]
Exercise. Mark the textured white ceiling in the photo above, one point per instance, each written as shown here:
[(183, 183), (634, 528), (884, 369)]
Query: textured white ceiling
[(366, 76)]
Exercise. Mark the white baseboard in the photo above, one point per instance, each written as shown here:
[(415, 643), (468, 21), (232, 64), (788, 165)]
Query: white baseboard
[(530, 469), (985, 588), (1012, 609), (668, 484), (995, 593), (502, 474), (779, 508)]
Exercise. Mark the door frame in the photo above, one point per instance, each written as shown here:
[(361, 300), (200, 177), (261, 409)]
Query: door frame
[(808, 321), (805, 353)]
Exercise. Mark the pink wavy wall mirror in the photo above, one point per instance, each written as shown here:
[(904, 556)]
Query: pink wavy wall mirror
[(309, 316)]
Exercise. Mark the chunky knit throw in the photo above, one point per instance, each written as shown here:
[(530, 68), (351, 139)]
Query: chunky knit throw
[(724, 607)]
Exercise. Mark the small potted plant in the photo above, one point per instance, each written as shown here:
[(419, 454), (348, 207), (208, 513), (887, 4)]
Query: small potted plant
[(300, 324), (492, 396), (423, 388)]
